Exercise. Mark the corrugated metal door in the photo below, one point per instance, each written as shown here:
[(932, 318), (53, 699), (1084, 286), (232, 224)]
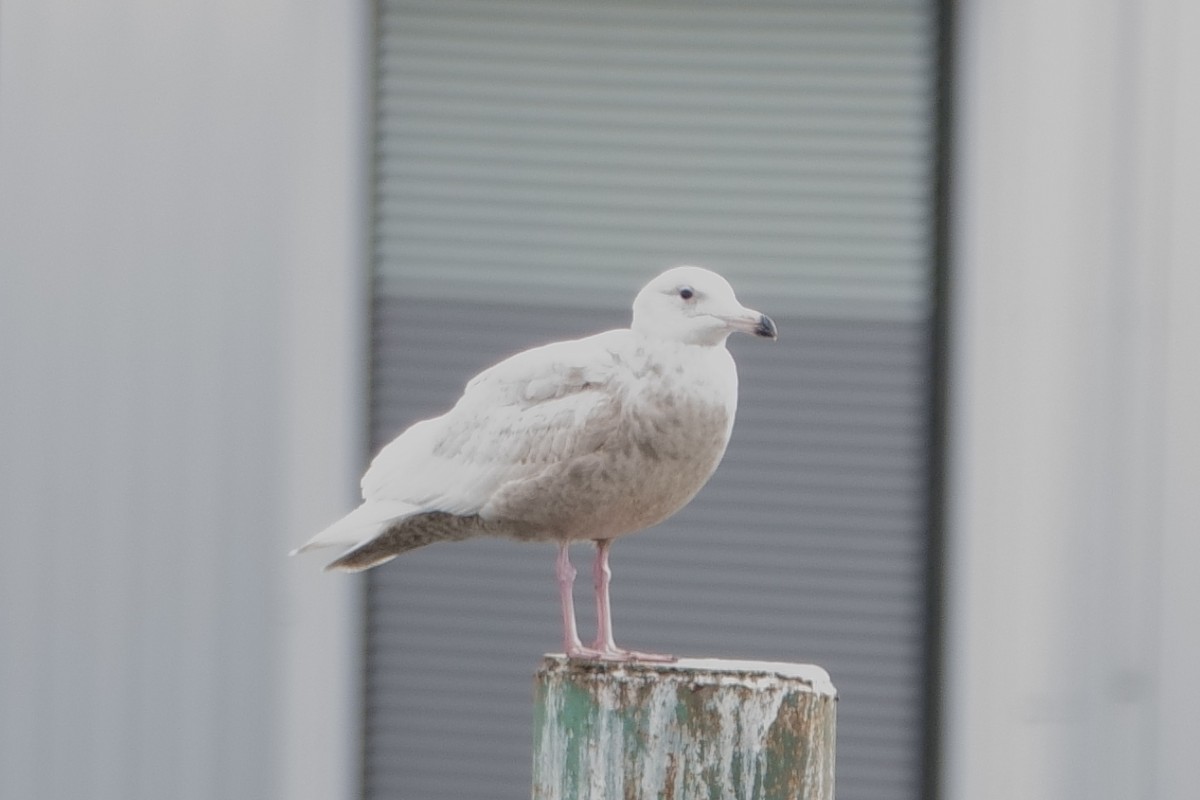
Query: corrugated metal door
[(536, 163)]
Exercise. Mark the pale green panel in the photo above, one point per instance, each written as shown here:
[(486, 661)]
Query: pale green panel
[(563, 153)]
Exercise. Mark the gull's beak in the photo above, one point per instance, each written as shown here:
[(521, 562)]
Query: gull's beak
[(749, 321), (766, 328)]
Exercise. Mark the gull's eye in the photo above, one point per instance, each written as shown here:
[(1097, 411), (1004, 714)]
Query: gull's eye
[(686, 292)]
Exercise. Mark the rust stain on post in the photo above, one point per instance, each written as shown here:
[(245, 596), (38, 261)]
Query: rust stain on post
[(697, 729)]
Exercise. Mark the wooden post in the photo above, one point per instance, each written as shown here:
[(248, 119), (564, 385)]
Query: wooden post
[(696, 729)]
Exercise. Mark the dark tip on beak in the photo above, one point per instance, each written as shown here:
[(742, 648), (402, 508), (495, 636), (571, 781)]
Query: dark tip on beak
[(766, 328)]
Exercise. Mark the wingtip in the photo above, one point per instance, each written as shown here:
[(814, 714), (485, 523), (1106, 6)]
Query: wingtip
[(359, 559)]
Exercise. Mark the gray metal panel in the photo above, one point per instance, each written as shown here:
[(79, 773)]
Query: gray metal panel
[(552, 145), (537, 161), (806, 546)]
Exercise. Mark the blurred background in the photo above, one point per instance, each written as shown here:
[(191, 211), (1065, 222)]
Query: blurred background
[(242, 245)]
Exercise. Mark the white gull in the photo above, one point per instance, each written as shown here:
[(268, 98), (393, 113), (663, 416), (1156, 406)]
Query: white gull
[(593, 438)]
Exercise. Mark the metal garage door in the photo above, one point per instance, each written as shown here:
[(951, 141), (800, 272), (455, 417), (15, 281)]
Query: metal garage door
[(537, 162)]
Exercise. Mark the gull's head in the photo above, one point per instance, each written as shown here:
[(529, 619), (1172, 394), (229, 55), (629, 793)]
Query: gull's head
[(694, 305)]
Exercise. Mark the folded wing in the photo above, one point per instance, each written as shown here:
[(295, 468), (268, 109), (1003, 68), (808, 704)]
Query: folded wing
[(528, 413)]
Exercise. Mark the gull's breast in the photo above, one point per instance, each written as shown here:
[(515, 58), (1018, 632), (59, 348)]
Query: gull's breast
[(656, 458)]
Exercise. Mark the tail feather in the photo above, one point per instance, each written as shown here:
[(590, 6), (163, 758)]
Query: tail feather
[(359, 526), (357, 559), (408, 533)]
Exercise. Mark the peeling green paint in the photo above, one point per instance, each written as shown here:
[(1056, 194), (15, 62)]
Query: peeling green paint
[(693, 730)]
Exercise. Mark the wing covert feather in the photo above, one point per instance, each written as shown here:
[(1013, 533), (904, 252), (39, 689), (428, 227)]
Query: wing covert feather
[(537, 408)]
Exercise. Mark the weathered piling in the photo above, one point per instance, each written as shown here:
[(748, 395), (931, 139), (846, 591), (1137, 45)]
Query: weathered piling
[(695, 729)]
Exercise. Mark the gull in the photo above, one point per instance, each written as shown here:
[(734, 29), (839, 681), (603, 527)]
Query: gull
[(587, 439)]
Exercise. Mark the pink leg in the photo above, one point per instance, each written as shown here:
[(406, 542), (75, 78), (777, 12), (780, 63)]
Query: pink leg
[(566, 579), (604, 645), (601, 576)]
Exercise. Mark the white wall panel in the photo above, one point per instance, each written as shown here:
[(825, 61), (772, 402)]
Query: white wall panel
[(179, 229), (1073, 543)]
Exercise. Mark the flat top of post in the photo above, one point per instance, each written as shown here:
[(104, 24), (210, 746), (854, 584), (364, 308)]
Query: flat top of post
[(703, 670)]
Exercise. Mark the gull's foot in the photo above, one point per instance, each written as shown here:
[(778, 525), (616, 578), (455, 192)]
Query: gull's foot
[(600, 651), (580, 653)]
